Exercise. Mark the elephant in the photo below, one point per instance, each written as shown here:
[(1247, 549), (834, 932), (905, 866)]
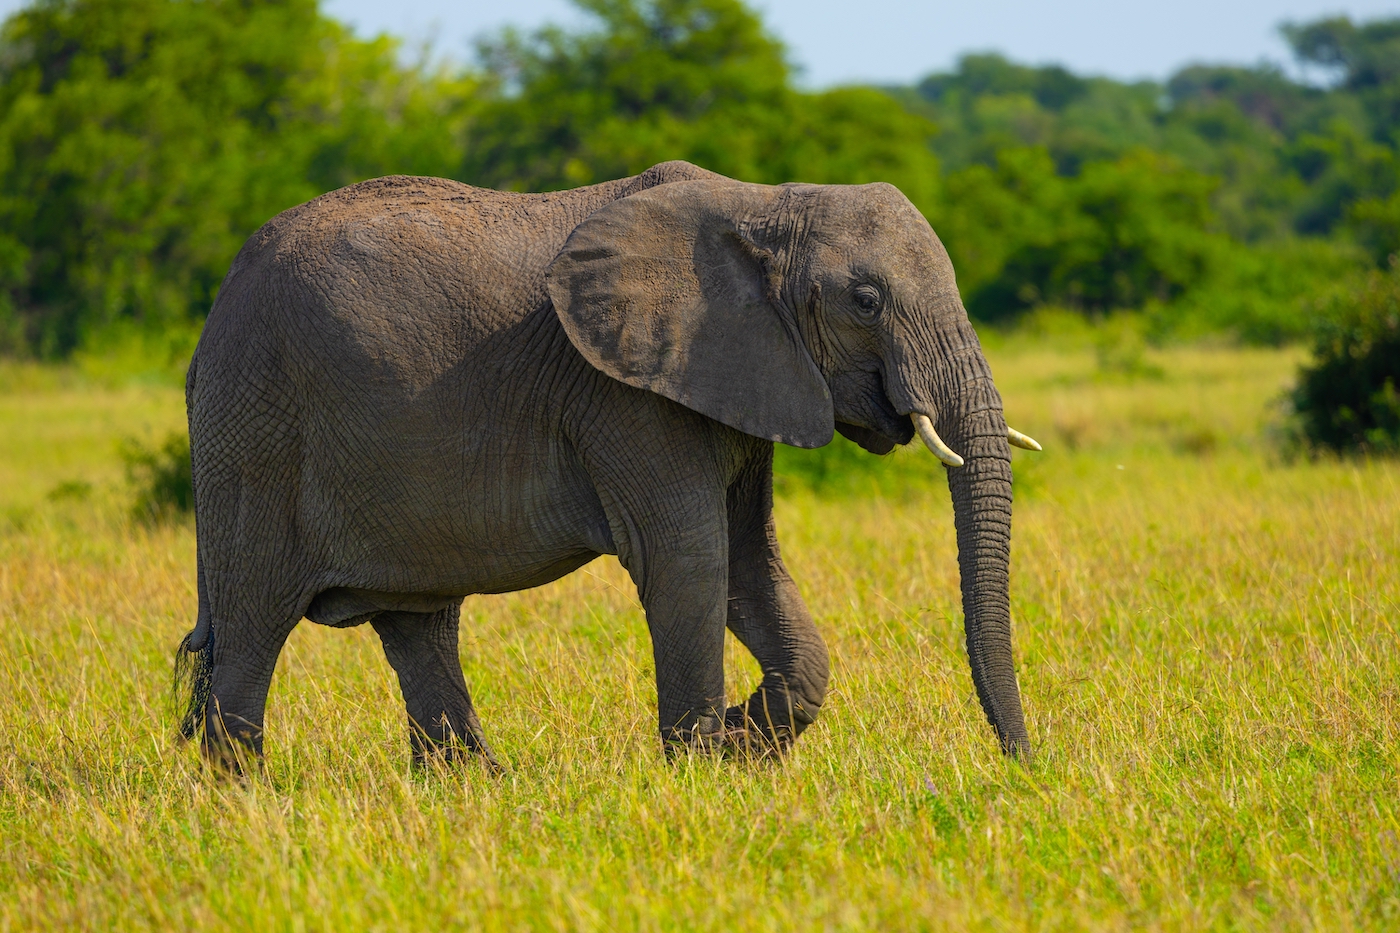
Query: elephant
[(411, 390)]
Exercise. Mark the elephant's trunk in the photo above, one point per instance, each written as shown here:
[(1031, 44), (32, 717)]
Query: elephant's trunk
[(973, 424), (982, 512)]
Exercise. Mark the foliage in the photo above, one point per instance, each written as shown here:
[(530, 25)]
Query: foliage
[(1290, 157), (990, 104), (1266, 293), (1117, 235), (1227, 199), (1348, 398), (161, 477), (1204, 639), (655, 81), (1376, 222), (680, 79), (141, 141), (1363, 59), (842, 469)]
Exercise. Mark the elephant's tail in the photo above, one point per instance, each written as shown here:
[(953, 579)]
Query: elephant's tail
[(194, 670)]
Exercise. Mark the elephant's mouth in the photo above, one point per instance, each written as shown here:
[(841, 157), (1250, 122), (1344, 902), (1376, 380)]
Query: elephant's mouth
[(865, 414), (873, 441)]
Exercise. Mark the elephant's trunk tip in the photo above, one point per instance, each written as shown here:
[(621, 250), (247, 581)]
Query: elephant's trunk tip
[(1017, 746)]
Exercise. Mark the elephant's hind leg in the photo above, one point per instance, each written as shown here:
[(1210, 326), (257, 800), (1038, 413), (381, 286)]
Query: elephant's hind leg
[(244, 658), (767, 615), (422, 648)]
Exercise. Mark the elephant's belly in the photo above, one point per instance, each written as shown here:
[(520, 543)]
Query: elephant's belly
[(523, 578), (415, 546), (344, 606), (465, 488)]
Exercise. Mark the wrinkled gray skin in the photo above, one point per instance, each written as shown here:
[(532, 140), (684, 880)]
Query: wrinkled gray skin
[(410, 390)]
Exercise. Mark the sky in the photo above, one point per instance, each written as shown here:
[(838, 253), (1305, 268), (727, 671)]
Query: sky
[(899, 41)]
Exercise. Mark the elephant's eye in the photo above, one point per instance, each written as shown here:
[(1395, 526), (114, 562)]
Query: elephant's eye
[(867, 299)]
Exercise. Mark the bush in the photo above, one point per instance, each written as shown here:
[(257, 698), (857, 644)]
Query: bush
[(1265, 293), (161, 477), (1347, 399), (1117, 235)]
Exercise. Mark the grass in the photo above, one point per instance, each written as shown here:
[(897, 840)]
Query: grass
[(1207, 649)]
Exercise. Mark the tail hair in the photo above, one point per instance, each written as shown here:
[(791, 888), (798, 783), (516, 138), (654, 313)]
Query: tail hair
[(194, 672)]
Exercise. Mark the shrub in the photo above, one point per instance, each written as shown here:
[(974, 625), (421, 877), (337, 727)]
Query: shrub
[(1264, 293), (161, 477), (1117, 235), (1347, 398)]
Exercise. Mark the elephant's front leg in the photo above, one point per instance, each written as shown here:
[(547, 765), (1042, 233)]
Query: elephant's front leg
[(768, 615), (662, 475), (670, 529), (683, 591)]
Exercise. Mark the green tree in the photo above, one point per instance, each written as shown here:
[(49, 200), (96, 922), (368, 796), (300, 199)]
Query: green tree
[(989, 104), (680, 79), (1118, 235), (669, 79), (1227, 198), (1363, 59), (141, 141)]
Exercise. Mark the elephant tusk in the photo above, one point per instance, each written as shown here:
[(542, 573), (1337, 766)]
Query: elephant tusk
[(933, 442), (1020, 440)]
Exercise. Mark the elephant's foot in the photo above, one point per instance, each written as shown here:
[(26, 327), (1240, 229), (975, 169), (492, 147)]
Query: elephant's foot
[(695, 735), (232, 746), (734, 736), (767, 723), (748, 738), (446, 747)]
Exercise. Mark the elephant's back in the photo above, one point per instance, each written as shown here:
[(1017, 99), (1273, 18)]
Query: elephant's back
[(360, 345), (410, 270), (401, 278)]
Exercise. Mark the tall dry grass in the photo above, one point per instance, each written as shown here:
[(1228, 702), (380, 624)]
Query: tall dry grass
[(1207, 649)]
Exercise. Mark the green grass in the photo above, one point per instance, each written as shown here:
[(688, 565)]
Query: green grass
[(1207, 649)]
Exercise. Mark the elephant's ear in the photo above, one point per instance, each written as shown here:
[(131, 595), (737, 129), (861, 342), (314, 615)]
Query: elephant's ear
[(661, 291)]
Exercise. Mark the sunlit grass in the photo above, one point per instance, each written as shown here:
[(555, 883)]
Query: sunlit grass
[(1206, 637)]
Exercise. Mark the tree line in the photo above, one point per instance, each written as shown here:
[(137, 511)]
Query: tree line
[(141, 141)]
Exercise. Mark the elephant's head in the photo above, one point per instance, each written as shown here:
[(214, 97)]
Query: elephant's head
[(788, 312)]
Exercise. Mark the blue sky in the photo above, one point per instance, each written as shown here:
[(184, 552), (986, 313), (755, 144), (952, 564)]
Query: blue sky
[(892, 41), (900, 40)]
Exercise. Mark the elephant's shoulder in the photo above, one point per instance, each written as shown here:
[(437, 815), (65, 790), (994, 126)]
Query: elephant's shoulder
[(665, 173)]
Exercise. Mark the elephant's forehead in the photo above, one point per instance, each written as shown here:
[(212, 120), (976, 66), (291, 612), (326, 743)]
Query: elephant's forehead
[(875, 218), (874, 205), (903, 252)]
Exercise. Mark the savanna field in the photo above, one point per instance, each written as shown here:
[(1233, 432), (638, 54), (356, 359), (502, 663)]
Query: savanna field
[(1205, 633)]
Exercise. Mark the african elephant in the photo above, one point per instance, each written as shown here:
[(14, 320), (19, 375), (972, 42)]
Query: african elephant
[(411, 390)]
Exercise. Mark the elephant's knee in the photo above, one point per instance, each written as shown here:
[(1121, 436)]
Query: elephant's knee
[(806, 680)]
